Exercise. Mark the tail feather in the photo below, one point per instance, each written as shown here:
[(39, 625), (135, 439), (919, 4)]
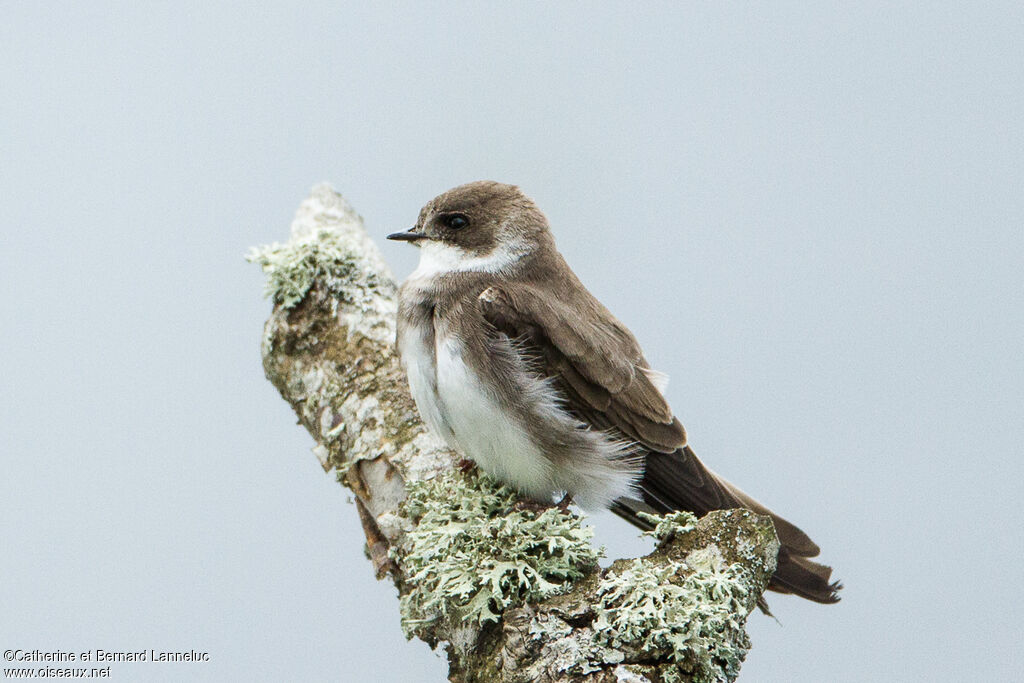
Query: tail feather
[(805, 578), (680, 481)]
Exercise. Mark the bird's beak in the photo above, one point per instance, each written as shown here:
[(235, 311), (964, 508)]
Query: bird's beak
[(407, 236)]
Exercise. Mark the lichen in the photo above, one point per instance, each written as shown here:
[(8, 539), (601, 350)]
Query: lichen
[(624, 674), (689, 611), (325, 255), (667, 526), (472, 555)]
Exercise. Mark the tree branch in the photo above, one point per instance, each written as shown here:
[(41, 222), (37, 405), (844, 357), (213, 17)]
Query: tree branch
[(515, 594)]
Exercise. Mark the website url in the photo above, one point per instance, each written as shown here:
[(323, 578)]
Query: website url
[(54, 672)]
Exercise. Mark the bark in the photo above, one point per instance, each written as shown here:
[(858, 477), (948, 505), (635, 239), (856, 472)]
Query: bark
[(513, 593)]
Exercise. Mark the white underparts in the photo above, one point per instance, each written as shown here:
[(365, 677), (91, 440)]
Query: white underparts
[(469, 417), (485, 432), (418, 359)]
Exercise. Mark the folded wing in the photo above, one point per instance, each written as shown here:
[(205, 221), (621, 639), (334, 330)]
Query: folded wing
[(604, 380)]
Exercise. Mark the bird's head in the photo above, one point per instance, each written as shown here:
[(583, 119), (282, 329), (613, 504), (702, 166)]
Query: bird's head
[(478, 226)]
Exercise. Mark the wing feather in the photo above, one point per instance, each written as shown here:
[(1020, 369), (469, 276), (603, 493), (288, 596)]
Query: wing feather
[(594, 360)]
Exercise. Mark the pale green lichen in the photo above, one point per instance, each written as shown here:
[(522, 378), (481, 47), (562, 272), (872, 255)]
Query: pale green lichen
[(690, 611), (472, 555), (291, 268), (669, 525)]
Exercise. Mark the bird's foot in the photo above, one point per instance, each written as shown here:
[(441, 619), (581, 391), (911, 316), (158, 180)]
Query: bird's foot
[(538, 507)]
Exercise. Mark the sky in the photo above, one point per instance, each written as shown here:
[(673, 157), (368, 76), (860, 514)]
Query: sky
[(811, 217)]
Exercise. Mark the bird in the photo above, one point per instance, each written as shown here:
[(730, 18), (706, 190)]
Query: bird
[(520, 369)]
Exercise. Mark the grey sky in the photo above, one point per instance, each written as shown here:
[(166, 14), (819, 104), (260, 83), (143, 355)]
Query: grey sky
[(811, 217)]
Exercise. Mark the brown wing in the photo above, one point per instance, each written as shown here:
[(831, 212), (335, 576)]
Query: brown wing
[(594, 360)]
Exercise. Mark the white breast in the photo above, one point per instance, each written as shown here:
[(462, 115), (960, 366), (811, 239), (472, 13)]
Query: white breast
[(418, 359), (483, 431), (461, 409)]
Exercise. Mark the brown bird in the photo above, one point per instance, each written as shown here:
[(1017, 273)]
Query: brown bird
[(517, 366)]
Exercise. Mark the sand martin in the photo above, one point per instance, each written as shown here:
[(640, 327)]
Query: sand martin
[(521, 369)]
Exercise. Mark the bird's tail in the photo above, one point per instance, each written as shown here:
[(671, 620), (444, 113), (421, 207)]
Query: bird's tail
[(680, 481)]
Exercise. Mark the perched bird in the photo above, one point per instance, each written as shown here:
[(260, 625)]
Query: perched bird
[(518, 367)]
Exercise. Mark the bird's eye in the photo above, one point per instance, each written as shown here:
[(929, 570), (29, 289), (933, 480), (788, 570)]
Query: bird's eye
[(456, 221)]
